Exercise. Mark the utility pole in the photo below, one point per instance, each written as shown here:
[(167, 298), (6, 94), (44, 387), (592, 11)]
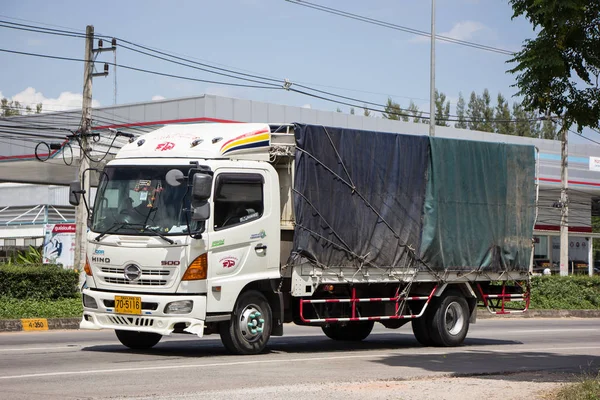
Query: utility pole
[(432, 74), (564, 202), (84, 134), (86, 124)]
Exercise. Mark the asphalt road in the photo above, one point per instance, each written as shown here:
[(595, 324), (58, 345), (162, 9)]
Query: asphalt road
[(92, 364)]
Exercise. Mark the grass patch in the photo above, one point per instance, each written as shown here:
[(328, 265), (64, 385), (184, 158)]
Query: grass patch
[(32, 308), (587, 389)]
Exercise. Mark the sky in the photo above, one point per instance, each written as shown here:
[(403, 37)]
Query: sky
[(272, 38)]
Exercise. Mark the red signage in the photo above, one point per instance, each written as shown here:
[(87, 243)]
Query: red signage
[(64, 228)]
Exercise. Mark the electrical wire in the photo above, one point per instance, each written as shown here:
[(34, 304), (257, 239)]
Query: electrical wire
[(139, 70), (406, 29)]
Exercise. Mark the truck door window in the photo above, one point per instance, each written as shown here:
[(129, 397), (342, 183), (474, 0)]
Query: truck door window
[(238, 199)]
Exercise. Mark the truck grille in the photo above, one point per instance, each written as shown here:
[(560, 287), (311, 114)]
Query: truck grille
[(162, 277), (149, 272), (143, 282)]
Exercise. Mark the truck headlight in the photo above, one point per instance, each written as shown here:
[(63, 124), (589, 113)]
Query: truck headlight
[(179, 307), (89, 301)]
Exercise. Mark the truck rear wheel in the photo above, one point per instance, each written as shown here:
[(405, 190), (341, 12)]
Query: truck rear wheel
[(352, 332), (249, 329), (449, 321), (138, 340)]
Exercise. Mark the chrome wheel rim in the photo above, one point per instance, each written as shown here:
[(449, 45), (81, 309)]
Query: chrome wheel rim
[(252, 323), (454, 318)]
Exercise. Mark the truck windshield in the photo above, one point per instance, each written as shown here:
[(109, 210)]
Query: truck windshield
[(138, 200)]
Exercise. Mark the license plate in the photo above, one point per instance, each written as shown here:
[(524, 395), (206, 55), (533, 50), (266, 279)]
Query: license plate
[(128, 305)]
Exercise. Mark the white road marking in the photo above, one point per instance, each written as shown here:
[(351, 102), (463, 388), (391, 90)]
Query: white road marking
[(519, 349), (42, 348)]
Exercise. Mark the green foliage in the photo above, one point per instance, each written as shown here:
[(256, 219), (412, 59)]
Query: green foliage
[(502, 115), (558, 71), (565, 292), (413, 109), (588, 388), (474, 113), (11, 308), (12, 108), (487, 111), (38, 282), (32, 256), (392, 110), (442, 109), (460, 112)]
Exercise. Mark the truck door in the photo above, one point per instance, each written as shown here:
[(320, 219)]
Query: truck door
[(244, 236)]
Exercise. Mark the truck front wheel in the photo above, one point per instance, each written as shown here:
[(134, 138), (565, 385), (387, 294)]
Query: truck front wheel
[(138, 340), (449, 321), (352, 332), (249, 329)]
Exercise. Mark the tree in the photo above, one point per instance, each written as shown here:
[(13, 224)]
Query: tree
[(12, 108), (502, 116), (460, 112), (558, 71), (392, 110), (366, 111), (474, 113), (548, 130), (338, 110), (442, 109), (521, 124), (487, 111), (351, 110), (413, 109)]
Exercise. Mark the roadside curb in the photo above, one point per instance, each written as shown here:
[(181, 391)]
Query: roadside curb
[(484, 314), (40, 324), (16, 325)]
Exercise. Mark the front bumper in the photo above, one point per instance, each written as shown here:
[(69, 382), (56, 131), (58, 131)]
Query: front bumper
[(153, 319)]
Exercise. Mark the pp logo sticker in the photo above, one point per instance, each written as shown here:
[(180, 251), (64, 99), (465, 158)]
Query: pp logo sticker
[(228, 262), (165, 146)]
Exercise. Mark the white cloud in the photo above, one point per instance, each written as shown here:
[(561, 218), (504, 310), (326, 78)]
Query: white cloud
[(464, 30), (307, 106), (65, 101), (158, 97)]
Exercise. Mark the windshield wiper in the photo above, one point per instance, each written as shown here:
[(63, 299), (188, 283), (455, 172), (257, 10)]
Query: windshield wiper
[(115, 226), (118, 225), (159, 234)]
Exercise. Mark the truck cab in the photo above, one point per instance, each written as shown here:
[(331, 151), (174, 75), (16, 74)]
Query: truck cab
[(164, 257)]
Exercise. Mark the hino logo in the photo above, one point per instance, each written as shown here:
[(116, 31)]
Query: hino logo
[(132, 272), (105, 260)]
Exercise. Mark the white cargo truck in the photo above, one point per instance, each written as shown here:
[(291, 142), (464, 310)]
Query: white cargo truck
[(237, 229)]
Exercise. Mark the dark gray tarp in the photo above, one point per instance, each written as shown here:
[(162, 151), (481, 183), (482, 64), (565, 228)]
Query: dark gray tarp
[(386, 199), (350, 185)]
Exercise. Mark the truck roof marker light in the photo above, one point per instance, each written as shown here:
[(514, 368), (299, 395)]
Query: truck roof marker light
[(197, 142), (197, 269), (141, 142), (87, 268)]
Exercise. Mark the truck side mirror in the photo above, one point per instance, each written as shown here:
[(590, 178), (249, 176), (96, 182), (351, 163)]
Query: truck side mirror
[(74, 193), (201, 189), (201, 212)]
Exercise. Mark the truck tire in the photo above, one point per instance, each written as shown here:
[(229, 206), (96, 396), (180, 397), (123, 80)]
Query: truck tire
[(249, 329), (449, 320), (420, 328), (138, 340), (352, 332)]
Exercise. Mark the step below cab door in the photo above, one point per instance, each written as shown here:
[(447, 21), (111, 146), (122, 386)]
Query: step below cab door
[(244, 236)]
